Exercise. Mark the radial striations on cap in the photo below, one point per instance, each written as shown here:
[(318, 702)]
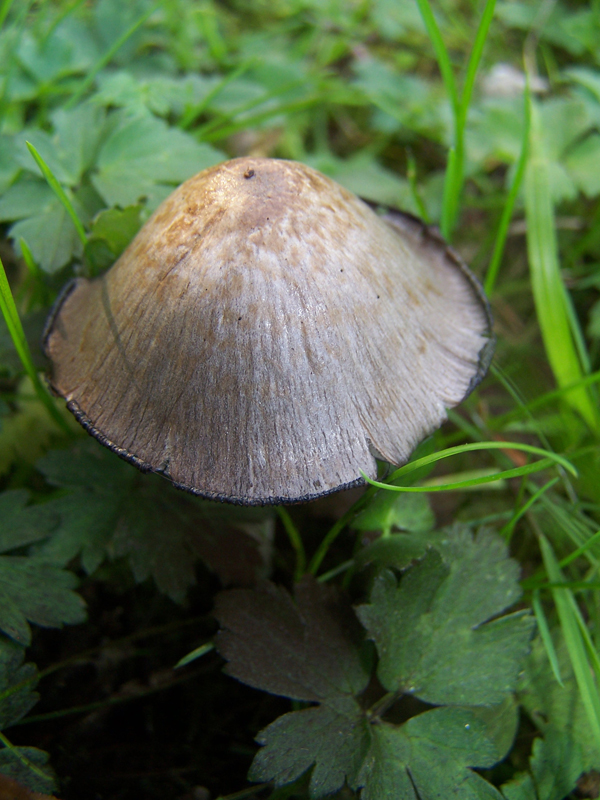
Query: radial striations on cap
[(267, 334)]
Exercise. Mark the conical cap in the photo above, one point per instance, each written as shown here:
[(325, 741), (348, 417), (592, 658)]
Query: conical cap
[(267, 334)]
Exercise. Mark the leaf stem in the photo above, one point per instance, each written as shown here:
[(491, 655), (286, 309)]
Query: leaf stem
[(23, 759), (336, 529), (295, 541)]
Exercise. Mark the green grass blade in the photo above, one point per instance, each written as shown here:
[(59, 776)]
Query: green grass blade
[(441, 53), (295, 541), (337, 528), (517, 472), (591, 650), (197, 653), (232, 116), (41, 293), (575, 526), (546, 281), (109, 55), (468, 448), (507, 211), (5, 7), (261, 116), (474, 59), (17, 334), (192, 114), (411, 174), (576, 646), (30, 261), (452, 190), (59, 191), (545, 635), (454, 179), (580, 550), (508, 529), (544, 399)]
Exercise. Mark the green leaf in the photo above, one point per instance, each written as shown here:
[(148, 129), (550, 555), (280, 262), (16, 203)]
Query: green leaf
[(556, 764), (428, 758), (557, 708), (50, 235), (15, 703), (112, 509), (26, 198), (142, 152), (38, 593), (46, 145), (311, 650), (77, 133), (549, 292), (117, 227), (23, 524), (8, 166), (112, 230), (396, 550), (574, 31), (14, 767), (583, 163), (364, 176), (335, 739), (434, 632), (163, 532), (68, 49), (388, 510), (88, 515)]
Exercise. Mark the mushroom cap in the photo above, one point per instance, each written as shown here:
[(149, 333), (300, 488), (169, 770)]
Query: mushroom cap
[(267, 335)]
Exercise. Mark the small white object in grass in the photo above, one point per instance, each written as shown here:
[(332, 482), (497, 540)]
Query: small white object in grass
[(504, 80)]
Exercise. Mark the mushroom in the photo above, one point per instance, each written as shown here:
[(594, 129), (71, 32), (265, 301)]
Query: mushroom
[(267, 335)]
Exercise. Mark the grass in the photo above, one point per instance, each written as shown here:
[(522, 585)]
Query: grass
[(496, 172)]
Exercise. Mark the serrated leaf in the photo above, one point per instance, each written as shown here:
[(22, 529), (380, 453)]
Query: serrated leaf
[(334, 740), (22, 523), (15, 703), (142, 151), (77, 134), (434, 632), (67, 49), (553, 707), (51, 236), (310, 650), (428, 758), (14, 769), (89, 515), (35, 592), (555, 765), (161, 94), (112, 509)]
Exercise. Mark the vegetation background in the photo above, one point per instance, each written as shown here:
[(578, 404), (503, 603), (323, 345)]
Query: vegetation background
[(397, 672)]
